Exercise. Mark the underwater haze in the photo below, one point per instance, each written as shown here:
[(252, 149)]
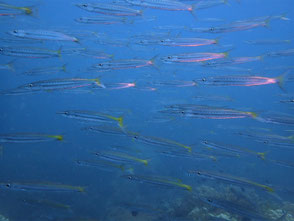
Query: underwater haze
[(147, 110)]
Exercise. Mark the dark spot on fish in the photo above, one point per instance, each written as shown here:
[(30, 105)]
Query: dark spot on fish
[(134, 213), (169, 57)]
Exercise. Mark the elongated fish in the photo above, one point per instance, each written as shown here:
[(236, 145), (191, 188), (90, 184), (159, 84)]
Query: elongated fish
[(42, 35), (230, 148), (171, 5), (109, 9), (28, 138), (27, 52), (246, 81), (103, 19), (158, 181), (122, 64), (91, 116), (205, 112), (104, 165), (43, 187), (119, 157), (230, 179), (55, 85), (235, 208), (157, 141), (193, 57), (25, 10)]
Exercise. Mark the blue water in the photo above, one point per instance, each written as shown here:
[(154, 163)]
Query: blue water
[(106, 192)]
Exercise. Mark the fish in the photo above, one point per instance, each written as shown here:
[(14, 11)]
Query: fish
[(234, 208), (235, 26), (28, 52), (212, 98), (268, 42), (171, 5), (158, 181), (106, 130), (7, 66), (109, 9), (277, 119), (269, 139), (28, 138), (230, 179), (119, 157), (46, 203), (45, 70), (42, 35), (41, 187), (122, 64), (91, 116), (55, 85), (287, 52), (151, 140), (105, 165), (120, 85), (203, 4), (205, 112), (188, 155), (24, 10), (230, 148), (232, 61), (103, 19), (241, 80), (194, 57), (175, 83)]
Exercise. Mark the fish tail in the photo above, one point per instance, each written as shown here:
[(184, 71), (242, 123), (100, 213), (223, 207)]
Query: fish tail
[(63, 68), (145, 162), (291, 137), (98, 82), (261, 155), (187, 187), (122, 167), (226, 54), (57, 137), (281, 80), (188, 148), (81, 189), (10, 65), (120, 121), (283, 17), (59, 51), (253, 114), (269, 188)]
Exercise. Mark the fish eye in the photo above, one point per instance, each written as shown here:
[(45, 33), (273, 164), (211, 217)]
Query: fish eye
[(30, 85), (161, 40), (203, 79), (292, 100), (205, 142), (85, 5), (66, 112), (209, 200), (8, 185), (265, 141), (100, 65), (169, 57), (198, 173), (1, 49), (15, 31), (211, 29), (129, 177)]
